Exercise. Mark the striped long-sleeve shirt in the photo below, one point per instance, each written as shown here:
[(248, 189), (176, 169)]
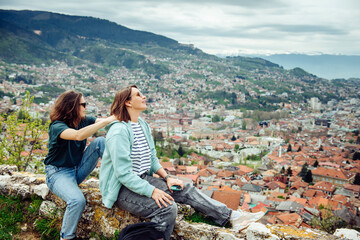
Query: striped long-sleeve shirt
[(140, 154)]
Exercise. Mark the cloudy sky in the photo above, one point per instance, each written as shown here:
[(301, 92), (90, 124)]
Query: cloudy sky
[(228, 26)]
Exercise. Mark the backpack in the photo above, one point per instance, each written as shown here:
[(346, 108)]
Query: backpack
[(140, 231)]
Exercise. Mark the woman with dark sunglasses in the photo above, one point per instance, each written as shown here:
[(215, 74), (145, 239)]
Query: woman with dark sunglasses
[(68, 163), (127, 167)]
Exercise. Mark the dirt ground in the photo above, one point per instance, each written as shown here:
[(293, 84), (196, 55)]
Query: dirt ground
[(27, 236)]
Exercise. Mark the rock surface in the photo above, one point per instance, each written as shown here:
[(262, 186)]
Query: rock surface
[(103, 221), (347, 234), (259, 231)]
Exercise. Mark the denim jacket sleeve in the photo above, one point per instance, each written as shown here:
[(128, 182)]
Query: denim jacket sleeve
[(119, 148)]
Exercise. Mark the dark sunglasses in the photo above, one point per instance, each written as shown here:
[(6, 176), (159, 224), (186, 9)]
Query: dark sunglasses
[(83, 104), (139, 94)]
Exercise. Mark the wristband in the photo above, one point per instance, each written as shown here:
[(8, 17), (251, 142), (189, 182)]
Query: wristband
[(166, 177)]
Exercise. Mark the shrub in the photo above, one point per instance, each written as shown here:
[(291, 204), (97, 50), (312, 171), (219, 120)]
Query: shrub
[(22, 142)]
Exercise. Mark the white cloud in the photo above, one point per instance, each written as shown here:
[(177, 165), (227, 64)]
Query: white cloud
[(228, 26)]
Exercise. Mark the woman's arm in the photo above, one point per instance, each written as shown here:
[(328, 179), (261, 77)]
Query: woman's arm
[(100, 119), (83, 133), (162, 173)]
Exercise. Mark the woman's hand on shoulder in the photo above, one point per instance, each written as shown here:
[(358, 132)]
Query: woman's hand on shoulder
[(161, 198), (111, 118), (107, 119)]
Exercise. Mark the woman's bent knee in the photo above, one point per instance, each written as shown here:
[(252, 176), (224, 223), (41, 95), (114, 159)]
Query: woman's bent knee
[(78, 202), (169, 212), (100, 144), (166, 217), (99, 141), (172, 211)]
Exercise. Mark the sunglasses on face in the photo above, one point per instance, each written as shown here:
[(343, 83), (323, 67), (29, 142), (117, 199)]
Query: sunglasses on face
[(139, 94), (83, 104)]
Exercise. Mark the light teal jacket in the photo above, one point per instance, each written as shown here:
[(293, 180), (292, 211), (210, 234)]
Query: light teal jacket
[(116, 165)]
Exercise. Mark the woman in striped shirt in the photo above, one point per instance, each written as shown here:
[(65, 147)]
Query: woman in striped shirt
[(128, 164)]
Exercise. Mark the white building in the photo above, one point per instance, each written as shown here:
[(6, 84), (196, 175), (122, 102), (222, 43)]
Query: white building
[(315, 104)]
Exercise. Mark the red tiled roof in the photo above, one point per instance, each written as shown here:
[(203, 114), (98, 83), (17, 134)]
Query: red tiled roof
[(302, 201), (268, 179), (230, 199), (295, 179), (351, 187), (293, 219), (275, 199), (320, 194), (272, 220), (277, 194), (191, 169), (259, 207), (224, 173), (317, 201), (323, 186), (274, 185), (239, 182), (281, 184), (309, 193), (239, 173), (299, 184), (167, 164), (188, 176), (340, 198), (333, 173), (176, 137), (206, 172)]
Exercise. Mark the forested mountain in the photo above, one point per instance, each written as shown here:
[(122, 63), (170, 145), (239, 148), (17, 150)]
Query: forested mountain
[(19, 45), (60, 30), (36, 37)]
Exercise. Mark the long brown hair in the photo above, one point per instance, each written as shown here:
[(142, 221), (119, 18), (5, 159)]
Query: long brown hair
[(67, 108), (118, 108)]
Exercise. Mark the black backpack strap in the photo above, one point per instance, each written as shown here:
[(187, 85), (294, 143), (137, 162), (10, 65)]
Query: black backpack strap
[(141, 230)]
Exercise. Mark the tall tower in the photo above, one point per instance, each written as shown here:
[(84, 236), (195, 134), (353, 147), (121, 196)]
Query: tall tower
[(280, 149), (319, 142)]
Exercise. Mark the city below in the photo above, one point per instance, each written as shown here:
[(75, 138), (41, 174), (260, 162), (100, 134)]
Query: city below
[(294, 162)]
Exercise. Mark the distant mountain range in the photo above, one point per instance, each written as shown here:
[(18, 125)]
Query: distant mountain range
[(324, 65), (38, 37), (35, 37)]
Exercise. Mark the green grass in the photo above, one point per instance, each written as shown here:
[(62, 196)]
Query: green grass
[(10, 216), (16, 212), (48, 228), (200, 218)]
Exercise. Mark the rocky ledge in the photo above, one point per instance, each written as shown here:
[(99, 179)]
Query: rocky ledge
[(103, 221)]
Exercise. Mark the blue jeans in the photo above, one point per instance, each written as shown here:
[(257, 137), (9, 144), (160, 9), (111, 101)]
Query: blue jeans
[(64, 181), (165, 217)]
